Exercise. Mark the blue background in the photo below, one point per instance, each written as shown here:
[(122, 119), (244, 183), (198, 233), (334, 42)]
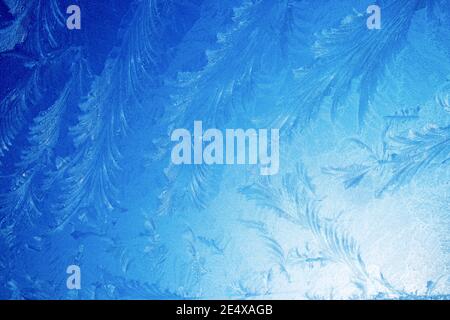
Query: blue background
[(359, 210)]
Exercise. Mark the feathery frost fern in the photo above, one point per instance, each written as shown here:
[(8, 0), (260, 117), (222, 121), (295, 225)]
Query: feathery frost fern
[(30, 185), (92, 171), (38, 46), (402, 157), (244, 73), (346, 55), (294, 200)]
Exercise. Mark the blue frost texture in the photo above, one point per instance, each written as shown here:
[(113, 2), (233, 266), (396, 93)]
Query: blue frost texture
[(360, 208)]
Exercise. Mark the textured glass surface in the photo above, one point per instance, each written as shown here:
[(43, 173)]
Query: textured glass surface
[(92, 205)]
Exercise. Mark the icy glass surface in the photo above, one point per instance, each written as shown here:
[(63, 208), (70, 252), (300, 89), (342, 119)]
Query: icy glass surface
[(92, 205)]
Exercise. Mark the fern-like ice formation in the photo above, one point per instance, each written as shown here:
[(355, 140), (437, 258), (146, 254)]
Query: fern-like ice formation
[(348, 55), (31, 182), (294, 200), (20, 189), (91, 174), (37, 46), (244, 73), (399, 159)]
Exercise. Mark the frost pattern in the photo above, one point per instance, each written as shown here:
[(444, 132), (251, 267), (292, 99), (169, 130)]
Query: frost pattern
[(86, 179)]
